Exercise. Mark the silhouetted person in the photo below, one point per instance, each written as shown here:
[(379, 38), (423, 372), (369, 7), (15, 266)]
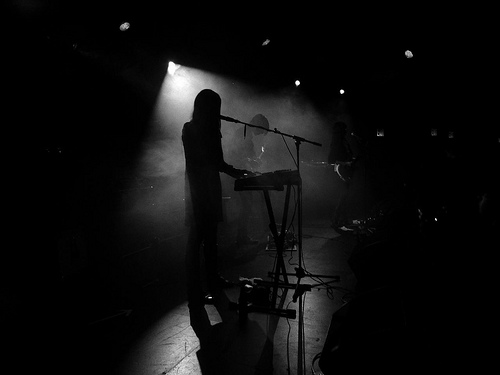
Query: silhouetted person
[(201, 138), (252, 159), (342, 158)]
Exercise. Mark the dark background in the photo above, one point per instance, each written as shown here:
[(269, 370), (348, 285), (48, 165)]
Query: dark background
[(78, 95)]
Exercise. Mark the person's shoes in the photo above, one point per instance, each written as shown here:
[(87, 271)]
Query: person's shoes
[(208, 299), (196, 304), (342, 229)]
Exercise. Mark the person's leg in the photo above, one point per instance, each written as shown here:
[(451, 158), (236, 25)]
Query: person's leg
[(340, 215), (214, 279), (192, 264), (199, 319)]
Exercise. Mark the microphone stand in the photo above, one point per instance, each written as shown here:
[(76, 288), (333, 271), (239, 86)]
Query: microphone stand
[(298, 140), (300, 289)]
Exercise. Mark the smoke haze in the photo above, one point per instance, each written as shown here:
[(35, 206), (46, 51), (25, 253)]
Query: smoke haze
[(288, 111)]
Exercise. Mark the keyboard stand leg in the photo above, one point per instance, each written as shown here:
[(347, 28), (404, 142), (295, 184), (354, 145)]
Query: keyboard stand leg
[(279, 239)]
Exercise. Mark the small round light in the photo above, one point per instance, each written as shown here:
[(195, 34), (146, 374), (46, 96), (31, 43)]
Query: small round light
[(172, 67), (124, 26)]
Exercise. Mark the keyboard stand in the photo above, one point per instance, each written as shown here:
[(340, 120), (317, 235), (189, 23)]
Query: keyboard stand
[(279, 240)]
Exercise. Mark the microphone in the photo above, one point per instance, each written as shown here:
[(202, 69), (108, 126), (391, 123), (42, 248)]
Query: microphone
[(230, 119)]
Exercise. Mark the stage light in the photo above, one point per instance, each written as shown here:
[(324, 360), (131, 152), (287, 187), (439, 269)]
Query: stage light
[(172, 68), (341, 92), (408, 54), (297, 83), (124, 26)]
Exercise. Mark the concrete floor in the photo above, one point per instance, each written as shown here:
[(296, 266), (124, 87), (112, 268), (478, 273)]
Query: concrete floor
[(404, 303), (258, 343)]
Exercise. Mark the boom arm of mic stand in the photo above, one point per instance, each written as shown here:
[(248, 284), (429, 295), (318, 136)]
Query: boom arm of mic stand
[(276, 131), (300, 139)]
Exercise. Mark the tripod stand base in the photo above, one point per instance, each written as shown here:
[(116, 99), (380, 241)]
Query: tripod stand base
[(254, 297), (244, 309), (290, 242)]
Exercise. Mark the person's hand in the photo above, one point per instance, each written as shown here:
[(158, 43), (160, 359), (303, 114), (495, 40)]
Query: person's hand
[(238, 173), (245, 173)]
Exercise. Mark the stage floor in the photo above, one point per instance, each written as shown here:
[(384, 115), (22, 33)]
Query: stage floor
[(394, 306)]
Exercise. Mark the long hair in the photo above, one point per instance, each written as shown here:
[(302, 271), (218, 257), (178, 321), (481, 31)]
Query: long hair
[(260, 120), (207, 105)]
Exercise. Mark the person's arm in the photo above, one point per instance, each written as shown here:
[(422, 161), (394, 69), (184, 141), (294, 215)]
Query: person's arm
[(232, 171), (227, 168)]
